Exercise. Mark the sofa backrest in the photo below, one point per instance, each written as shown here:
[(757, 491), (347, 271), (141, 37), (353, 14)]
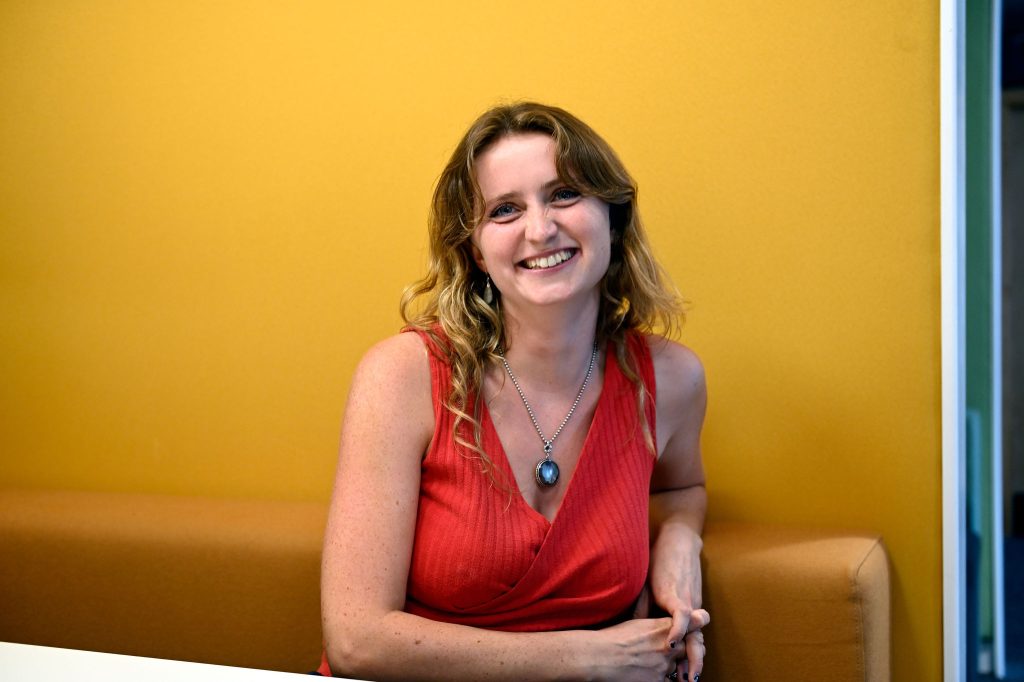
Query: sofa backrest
[(198, 579)]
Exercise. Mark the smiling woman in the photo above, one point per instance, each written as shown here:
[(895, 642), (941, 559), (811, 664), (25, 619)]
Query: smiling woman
[(540, 241), (504, 464)]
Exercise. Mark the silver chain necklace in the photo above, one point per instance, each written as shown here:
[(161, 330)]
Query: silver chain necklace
[(546, 471)]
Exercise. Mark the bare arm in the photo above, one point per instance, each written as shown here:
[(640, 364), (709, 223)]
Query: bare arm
[(368, 544), (678, 497)]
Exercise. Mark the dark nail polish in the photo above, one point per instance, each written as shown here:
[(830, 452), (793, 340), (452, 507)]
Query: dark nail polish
[(672, 644), (696, 678)]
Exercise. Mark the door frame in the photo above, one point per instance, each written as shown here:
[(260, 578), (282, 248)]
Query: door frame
[(952, 243)]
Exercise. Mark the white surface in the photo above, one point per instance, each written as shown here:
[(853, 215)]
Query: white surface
[(951, 99), (29, 663)]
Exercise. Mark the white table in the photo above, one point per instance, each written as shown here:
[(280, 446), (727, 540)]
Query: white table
[(29, 663)]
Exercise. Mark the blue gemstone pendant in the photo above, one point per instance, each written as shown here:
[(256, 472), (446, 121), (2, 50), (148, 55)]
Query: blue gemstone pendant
[(546, 473)]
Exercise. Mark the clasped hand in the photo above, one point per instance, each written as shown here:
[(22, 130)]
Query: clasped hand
[(647, 649)]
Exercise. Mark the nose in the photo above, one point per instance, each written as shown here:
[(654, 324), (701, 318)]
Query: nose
[(540, 226)]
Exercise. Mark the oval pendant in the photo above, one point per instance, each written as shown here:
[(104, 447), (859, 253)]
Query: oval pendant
[(546, 473)]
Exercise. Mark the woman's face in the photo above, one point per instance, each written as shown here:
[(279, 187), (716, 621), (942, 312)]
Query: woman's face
[(540, 240)]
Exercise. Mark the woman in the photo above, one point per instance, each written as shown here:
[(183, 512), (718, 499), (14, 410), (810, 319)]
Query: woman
[(490, 512)]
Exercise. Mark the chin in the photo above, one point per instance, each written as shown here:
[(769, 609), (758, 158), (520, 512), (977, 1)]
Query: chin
[(548, 299)]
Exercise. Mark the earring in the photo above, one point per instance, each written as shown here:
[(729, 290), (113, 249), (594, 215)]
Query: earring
[(488, 293)]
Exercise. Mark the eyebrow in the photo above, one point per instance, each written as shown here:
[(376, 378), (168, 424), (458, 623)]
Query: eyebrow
[(551, 184)]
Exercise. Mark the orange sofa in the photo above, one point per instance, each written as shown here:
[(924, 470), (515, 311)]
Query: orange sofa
[(237, 583)]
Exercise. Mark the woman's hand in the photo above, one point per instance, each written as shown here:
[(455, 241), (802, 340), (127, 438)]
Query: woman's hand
[(689, 622), (676, 576), (676, 589), (636, 650)]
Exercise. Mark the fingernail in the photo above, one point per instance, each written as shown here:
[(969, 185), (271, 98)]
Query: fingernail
[(696, 678), (672, 644)]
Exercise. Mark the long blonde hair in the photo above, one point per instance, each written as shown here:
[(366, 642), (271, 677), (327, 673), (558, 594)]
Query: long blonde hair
[(447, 303)]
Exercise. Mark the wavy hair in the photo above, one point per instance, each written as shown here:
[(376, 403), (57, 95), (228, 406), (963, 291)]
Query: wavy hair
[(447, 303)]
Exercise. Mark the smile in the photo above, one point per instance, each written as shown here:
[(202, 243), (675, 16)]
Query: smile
[(548, 261)]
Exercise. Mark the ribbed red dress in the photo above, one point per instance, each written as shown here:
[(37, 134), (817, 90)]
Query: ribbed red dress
[(480, 559)]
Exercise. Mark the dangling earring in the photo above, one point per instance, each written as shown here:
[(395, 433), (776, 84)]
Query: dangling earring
[(488, 293)]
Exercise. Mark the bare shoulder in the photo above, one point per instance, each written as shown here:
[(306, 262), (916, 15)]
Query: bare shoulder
[(397, 361), (680, 403), (391, 385), (678, 371)]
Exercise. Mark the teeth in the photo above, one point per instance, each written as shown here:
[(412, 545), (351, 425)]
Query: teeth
[(549, 261)]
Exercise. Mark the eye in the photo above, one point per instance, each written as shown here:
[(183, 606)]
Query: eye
[(565, 195), (505, 210)]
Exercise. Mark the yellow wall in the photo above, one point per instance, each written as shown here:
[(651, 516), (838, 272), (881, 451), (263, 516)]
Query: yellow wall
[(208, 210)]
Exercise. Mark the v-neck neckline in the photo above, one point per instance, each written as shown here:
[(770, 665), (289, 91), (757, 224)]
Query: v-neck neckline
[(502, 458)]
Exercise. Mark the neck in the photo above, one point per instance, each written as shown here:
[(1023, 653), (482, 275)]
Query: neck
[(550, 348)]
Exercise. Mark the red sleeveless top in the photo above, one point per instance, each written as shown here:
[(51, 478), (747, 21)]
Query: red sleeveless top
[(483, 560), (480, 559)]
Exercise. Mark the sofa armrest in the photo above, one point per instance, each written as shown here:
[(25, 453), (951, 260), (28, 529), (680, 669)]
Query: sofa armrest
[(790, 604)]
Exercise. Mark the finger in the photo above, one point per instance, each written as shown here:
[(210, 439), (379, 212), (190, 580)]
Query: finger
[(699, 618), (695, 651), (679, 628)]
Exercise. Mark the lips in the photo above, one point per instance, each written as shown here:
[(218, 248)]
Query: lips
[(548, 261)]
